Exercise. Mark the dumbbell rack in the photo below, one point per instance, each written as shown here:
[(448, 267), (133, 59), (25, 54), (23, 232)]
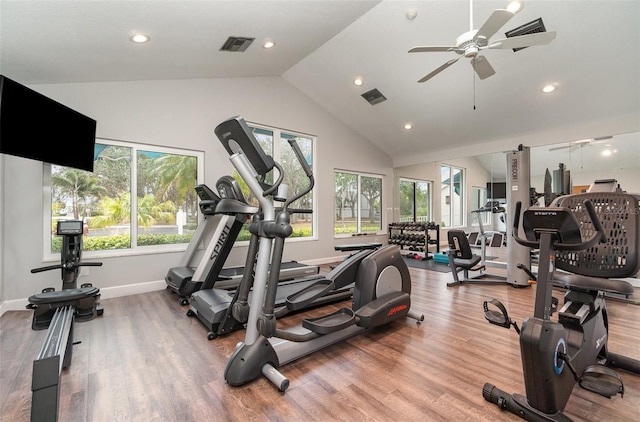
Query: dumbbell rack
[(415, 237)]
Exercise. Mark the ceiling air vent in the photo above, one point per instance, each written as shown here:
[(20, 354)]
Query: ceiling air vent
[(237, 44), (374, 96), (526, 29)]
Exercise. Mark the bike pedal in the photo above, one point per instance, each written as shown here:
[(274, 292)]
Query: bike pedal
[(602, 380)]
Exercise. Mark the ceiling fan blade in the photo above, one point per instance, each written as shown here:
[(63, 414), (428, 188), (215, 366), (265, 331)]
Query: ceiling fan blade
[(482, 67), (522, 41), (497, 20), (426, 49), (438, 70)]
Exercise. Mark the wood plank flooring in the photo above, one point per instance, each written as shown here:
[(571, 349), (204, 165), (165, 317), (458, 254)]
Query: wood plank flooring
[(145, 360)]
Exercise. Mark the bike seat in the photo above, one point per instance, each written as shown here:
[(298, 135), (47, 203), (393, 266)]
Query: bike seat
[(63, 295), (610, 285)]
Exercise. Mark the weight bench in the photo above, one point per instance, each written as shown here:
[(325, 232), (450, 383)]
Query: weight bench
[(358, 246)]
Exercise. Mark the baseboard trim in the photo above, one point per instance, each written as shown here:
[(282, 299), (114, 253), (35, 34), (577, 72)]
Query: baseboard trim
[(105, 293)]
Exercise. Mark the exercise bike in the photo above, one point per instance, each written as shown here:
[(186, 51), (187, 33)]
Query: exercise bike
[(382, 284), (557, 355)]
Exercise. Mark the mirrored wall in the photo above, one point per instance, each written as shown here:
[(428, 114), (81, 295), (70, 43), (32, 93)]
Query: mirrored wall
[(616, 157)]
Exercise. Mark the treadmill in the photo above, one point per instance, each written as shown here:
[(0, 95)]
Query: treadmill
[(224, 216)]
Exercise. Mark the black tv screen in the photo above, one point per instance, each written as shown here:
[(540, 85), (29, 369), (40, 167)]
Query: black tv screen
[(497, 190), (37, 127)]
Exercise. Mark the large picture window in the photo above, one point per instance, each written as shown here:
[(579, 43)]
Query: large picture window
[(357, 203), (138, 198), (415, 200), (451, 196)]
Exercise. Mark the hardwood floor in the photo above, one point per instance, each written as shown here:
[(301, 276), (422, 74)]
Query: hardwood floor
[(145, 360)]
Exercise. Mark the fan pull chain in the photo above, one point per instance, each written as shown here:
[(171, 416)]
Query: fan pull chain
[(474, 85)]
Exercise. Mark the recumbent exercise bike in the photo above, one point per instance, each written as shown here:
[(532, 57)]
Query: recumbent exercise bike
[(557, 355)]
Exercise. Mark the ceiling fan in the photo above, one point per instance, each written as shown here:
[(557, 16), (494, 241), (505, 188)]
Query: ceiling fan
[(574, 145), (472, 42)]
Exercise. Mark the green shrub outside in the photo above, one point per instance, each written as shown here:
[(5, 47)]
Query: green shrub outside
[(123, 241)]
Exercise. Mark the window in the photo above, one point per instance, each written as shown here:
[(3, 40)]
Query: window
[(415, 200), (357, 203), (451, 196), (138, 198), (478, 200), (294, 176)]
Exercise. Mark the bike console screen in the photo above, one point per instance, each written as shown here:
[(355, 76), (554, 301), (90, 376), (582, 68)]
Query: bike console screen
[(559, 221)]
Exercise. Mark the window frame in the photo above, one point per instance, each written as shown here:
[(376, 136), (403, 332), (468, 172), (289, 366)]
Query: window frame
[(359, 175), (49, 255), (462, 195), (415, 182)]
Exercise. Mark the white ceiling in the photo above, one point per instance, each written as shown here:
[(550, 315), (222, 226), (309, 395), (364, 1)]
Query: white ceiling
[(323, 45)]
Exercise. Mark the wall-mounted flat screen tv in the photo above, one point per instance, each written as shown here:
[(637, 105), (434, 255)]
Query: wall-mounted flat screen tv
[(37, 127), (497, 190)]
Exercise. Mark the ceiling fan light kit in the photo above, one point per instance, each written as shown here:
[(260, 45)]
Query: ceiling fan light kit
[(471, 43)]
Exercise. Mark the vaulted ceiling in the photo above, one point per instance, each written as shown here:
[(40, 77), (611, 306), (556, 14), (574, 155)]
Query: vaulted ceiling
[(322, 46)]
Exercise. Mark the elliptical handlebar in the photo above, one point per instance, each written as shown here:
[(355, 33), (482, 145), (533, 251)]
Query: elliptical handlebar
[(307, 171), (598, 237)]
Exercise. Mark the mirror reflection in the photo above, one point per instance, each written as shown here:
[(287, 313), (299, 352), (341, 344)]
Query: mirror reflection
[(581, 162), (615, 157)]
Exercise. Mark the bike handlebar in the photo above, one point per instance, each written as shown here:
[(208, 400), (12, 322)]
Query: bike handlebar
[(598, 237), (61, 266)]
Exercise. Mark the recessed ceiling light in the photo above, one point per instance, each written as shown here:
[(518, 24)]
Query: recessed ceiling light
[(358, 82), (408, 126), (268, 44), (140, 38), (547, 89), (514, 6)]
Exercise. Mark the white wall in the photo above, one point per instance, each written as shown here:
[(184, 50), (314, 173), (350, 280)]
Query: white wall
[(182, 114)]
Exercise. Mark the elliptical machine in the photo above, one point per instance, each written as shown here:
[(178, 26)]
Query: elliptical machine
[(382, 284), (557, 355)]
